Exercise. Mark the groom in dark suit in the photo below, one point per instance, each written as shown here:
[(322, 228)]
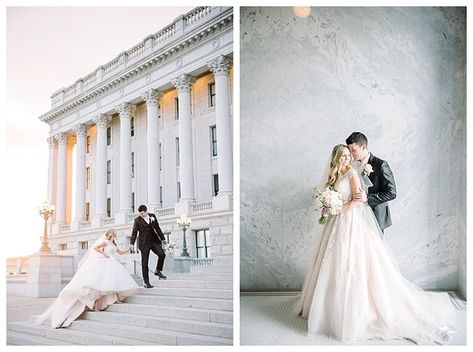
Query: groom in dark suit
[(149, 239), (380, 175)]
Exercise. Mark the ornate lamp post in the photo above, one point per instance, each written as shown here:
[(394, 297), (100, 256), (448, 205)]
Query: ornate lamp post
[(184, 222), (46, 210)]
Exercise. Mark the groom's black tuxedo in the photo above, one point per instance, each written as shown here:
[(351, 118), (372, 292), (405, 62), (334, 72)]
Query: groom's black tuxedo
[(382, 191), (149, 240)]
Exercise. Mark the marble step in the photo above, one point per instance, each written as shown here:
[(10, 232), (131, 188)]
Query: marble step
[(24, 339), (227, 269), (157, 336), (186, 292), (184, 302), (208, 315), (163, 323), (71, 336), (196, 276), (215, 284)]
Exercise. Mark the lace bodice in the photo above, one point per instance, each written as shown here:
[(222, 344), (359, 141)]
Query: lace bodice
[(343, 185), (110, 249)]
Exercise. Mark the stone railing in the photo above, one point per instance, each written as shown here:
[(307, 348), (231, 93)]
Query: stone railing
[(108, 221), (166, 212), (202, 261), (202, 206), (196, 15), (143, 49)]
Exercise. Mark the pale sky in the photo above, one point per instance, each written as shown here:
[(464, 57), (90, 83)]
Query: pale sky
[(49, 48)]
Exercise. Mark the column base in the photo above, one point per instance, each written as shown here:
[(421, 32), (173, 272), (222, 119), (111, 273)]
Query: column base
[(97, 220), (223, 201), (122, 218), (75, 226), (183, 207)]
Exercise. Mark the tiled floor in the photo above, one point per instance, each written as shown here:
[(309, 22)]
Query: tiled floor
[(268, 319)]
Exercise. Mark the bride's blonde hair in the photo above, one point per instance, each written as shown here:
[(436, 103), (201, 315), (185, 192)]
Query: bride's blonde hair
[(335, 164), (109, 234)]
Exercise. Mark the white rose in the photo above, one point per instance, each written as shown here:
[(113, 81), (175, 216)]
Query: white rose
[(368, 169)]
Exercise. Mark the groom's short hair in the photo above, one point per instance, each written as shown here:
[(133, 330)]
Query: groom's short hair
[(142, 208), (357, 138)]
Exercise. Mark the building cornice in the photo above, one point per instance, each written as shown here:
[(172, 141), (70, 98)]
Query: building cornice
[(222, 21)]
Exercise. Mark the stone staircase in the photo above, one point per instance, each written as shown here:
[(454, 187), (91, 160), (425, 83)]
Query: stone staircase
[(193, 308)]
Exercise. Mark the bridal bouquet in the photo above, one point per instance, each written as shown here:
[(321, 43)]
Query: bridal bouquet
[(331, 202), (170, 247)]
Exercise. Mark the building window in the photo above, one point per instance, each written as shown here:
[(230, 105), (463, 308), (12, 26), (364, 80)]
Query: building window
[(176, 108), (87, 174), (87, 211), (161, 195), (177, 151), (109, 207), (212, 94), (62, 246), (132, 126), (133, 201), (88, 144), (215, 184), (84, 245), (160, 157), (109, 136), (202, 241), (178, 190), (109, 172), (132, 164), (213, 139)]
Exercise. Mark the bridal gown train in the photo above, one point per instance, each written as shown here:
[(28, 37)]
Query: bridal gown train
[(355, 291), (98, 283)]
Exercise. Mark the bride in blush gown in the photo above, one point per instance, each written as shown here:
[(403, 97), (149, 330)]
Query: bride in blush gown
[(100, 280), (354, 289)]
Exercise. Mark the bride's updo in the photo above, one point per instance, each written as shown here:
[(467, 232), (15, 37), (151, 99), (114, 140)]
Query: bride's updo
[(335, 164), (109, 235)]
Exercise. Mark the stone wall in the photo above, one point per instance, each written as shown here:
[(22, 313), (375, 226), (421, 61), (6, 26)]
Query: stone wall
[(396, 74)]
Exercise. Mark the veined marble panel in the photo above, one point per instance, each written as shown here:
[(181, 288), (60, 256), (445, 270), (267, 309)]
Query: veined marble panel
[(396, 74)]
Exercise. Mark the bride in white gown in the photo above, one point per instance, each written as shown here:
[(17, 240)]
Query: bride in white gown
[(100, 280), (354, 289)]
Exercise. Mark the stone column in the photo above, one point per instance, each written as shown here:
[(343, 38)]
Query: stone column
[(125, 110), (220, 67), (152, 144), (81, 149), (101, 122), (62, 140), (50, 170), (183, 83)]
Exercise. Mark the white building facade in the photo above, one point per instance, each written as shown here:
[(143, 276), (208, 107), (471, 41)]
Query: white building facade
[(153, 126)]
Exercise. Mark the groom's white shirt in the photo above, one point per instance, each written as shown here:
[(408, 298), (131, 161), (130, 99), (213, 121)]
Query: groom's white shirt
[(363, 162), (146, 219)]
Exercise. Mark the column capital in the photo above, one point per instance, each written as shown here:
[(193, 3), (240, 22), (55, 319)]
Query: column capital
[(125, 110), (220, 65), (51, 140), (62, 138), (80, 130), (152, 96), (102, 120), (183, 82)]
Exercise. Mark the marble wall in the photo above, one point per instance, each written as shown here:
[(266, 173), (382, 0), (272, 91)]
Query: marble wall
[(396, 74)]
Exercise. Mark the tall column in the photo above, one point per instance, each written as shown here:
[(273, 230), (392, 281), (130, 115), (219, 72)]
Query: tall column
[(125, 110), (62, 140), (101, 122), (81, 146), (183, 83), (49, 195), (152, 144), (220, 67)]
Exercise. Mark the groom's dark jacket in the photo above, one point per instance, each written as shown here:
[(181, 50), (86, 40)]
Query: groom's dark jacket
[(382, 191), (150, 234)]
